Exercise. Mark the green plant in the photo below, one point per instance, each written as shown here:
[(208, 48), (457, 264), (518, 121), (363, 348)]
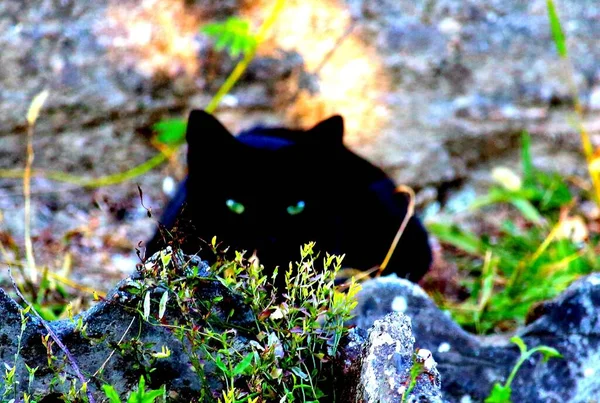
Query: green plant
[(12, 391), (291, 342), (10, 382), (536, 195), (592, 159), (536, 256), (140, 395), (525, 260), (233, 35), (502, 393), (417, 369)]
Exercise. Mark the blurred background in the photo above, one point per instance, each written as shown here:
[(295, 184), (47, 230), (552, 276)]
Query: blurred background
[(439, 93)]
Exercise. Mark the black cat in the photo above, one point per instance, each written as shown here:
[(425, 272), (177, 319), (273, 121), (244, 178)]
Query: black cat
[(274, 189)]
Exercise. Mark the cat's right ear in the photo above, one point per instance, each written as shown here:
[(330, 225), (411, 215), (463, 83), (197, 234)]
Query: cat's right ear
[(204, 130), (330, 130)]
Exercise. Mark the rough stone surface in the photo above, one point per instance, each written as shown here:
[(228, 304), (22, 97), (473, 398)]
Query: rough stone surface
[(458, 81), (470, 365), (387, 363), (107, 325), (470, 76), (347, 369)]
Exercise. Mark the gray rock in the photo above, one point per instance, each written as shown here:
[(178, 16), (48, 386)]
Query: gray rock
[(388, 359), (470, 365), (348, 366), (95, 349), (97, 338), (472, 76)]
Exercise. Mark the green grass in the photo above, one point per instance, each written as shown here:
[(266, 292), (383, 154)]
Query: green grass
[(529, 258)]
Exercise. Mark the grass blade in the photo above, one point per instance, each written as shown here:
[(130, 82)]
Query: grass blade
[(557, 32)]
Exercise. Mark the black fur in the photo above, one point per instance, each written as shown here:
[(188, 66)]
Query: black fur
[(350, 206)]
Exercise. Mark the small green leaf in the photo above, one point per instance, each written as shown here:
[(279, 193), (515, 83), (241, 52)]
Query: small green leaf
[(162, 305), (453, 235), (548, 352), (222, 41), (151, 395), (241, 367), (221, 365), (236, 46), (528, 210), (233, 35), (111, 393), (147, 305), (165, 258), (45, 312), (526, 158), (499, 394), (557, 31), (138, 396), (170, 131), (519, 342), (212, 29)]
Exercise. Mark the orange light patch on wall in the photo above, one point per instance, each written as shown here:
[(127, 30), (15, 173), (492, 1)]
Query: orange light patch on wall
[(154, 36), (351, 81)]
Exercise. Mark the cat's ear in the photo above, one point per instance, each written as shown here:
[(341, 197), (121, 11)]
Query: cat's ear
[(330, 130), (204, 130)]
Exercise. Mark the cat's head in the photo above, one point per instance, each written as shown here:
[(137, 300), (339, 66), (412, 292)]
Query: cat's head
[(271, 189)]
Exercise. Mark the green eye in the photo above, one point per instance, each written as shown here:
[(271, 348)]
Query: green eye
[(296, 208), (234, 206)]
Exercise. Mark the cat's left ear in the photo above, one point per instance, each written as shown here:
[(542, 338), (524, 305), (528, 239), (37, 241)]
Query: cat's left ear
[(330, 130)]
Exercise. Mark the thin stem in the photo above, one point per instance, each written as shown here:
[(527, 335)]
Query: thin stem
[(31, 269), (243, 64), (524, 357), (409, 213)]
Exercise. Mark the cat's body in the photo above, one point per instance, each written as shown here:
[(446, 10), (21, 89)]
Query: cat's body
[(274, 189)]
